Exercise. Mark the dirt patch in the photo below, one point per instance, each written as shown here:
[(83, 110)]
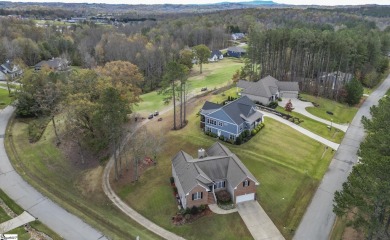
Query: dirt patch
[(90, 181), (352, 234)]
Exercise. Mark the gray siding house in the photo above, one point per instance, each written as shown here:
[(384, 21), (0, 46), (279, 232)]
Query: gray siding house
[(268, 89), (215, 169), (230, 120)]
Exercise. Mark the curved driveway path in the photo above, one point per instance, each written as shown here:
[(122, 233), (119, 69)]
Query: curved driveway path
[(300, 107), (302, 130), (319, 218), (58, 219)]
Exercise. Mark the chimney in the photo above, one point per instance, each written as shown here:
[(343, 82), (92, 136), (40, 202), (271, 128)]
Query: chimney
[(201, 153)]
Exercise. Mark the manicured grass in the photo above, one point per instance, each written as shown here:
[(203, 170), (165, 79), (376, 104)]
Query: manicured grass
[(214, 75), (5, 99), (288, 165), (45, 167), (342, 113), (334, 134)]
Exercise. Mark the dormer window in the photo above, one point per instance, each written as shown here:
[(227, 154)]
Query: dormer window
[(245, 183)]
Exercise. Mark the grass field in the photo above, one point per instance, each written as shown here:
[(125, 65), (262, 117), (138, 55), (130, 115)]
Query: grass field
[(4, 98), (342, 113), (75, 187), (288, 165), (214, 75), (321, 129)]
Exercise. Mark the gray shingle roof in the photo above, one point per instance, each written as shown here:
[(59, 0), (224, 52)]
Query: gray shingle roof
[(223, 165), (236, 49), (266, 87), (238, 110), (288, 86)]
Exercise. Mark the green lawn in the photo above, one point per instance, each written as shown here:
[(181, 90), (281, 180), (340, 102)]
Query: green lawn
[(5, 100), (334, 135), (214, 75), (342, 113), (288, 165), (44, 166)]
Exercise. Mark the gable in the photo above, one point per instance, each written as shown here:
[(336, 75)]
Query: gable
[(222, 116)]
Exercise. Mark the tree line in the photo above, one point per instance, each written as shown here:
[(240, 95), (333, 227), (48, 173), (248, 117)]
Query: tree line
[(322, 61)]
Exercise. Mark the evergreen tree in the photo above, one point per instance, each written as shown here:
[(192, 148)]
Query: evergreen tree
[(354, 92)]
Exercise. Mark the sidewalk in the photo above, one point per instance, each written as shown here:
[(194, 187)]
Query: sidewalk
[(20, 220), (215, 209)]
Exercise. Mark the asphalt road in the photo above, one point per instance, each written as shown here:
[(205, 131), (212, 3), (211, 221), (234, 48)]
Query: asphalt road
[(319, 218), (58, 219)]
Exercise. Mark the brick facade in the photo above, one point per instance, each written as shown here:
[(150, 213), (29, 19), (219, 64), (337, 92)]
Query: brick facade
[(191, 203), (241, 190)]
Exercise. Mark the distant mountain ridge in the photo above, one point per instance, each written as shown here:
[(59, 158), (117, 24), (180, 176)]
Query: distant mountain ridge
[(252, 3)]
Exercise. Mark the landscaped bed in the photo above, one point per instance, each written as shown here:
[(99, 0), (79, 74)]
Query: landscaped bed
[(288, 165), (342, 113)]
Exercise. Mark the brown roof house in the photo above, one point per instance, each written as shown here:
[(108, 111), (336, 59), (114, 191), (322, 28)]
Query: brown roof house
[(217, 168), (268, 89)]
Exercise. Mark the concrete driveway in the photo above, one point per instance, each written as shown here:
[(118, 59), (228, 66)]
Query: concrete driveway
[(300, 107), (257, 221), (20, 220)]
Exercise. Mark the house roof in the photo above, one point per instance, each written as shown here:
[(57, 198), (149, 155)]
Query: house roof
[(236, 49), (240, 110), (52, 63), (220, 163), (266, 87), (215, 52), (288, 86)]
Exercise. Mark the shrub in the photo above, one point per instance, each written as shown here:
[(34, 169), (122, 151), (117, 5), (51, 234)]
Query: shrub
[(247, 133), (262, 125), (253, 132), (202, 208), (273, 105), (239, 140), (222, 138), (223, 196), (194, 210), (187, 216), (172, 180), (279, 99), (187, 211), (175, 189)]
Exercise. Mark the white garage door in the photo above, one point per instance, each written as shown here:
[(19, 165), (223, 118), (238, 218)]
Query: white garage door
[(246, 197), (289, 95)]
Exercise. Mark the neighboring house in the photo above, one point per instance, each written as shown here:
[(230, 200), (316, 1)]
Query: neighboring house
[(215, 169), (268, 89), (215, 56), (230, 120), (237, 36), (9, 69), (57, 64), (334, 77), (235, 52)]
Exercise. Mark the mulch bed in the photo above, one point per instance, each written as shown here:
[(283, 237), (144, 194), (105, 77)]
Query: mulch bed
[(180, 219)]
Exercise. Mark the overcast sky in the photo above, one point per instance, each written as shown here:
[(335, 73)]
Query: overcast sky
[(295, 2)]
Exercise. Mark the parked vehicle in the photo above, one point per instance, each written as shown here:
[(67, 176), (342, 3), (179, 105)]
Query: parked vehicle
[(203, 89), (150, 116), (156, 113)]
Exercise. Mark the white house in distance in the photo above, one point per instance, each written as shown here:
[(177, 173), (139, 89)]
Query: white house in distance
[(268, 89), (10, 70), (215, 56)]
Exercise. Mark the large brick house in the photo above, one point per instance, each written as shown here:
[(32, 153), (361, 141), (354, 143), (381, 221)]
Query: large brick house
[(217, 168)]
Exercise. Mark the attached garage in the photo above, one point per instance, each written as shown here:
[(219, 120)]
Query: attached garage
[(246, 197), (289, 94)]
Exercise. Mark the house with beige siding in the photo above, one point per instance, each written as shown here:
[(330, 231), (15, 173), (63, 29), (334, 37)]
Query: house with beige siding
[(217, 168), (268, 89)]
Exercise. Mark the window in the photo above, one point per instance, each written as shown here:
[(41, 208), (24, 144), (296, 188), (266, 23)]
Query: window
[(220, 124), (240, 128), (208, 129), (232, 137), (220, 184), (208, 120), (197, 195), (245, 183)]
